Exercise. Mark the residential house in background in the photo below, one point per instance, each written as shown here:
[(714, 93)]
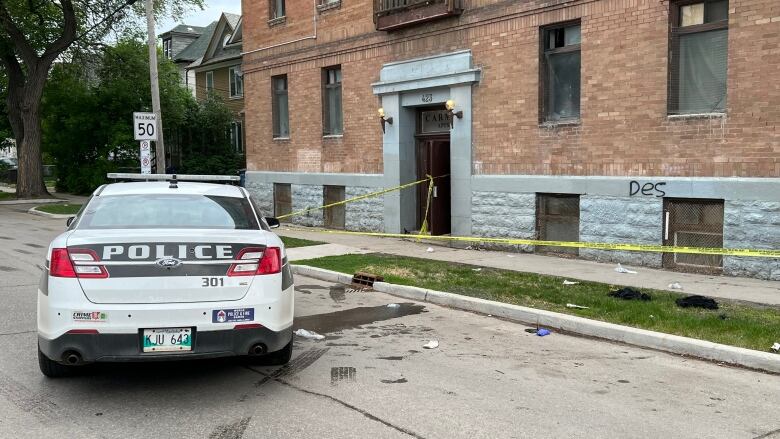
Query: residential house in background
[(185, 44), (219, 72), (610, 121)]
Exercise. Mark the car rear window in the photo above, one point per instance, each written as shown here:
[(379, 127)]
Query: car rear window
[(168, 211)]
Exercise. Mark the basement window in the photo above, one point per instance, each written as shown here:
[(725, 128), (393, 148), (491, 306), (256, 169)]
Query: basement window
[(282, 199), (558, 219)]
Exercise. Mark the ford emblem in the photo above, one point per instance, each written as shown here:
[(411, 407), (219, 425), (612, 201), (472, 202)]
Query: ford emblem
[(168, 263)]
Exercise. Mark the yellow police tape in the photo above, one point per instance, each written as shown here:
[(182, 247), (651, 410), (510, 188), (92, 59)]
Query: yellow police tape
[(514, 241), (362, 197)]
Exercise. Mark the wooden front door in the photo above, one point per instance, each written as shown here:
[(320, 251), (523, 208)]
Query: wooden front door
[(433, 158)]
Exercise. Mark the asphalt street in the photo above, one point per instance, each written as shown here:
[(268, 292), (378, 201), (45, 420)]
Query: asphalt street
[(371, 377)]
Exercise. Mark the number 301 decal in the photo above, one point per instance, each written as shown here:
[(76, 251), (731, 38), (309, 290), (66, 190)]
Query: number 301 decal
[(212, 282)]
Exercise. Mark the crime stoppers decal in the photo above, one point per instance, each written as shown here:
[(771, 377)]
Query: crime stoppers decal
[(232, 315), (90, 316)]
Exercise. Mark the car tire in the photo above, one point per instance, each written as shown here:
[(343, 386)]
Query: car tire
[(51, 368), (278, 358)]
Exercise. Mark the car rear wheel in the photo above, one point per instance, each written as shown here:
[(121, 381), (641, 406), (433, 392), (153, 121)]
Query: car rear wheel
[(51, 368)]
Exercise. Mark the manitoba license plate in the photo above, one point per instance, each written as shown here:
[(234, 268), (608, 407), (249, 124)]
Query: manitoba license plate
[(167, 339)]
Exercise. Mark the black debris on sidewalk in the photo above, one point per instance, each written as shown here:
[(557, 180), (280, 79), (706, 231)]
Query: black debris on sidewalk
[(630, 294)]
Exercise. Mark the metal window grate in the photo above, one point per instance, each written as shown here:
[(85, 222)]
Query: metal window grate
[(558, 219), (693, 223)]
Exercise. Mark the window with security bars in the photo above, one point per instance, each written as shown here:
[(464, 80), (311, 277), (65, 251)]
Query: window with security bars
[(280, 109), (558, 219), (693, 223), (282, 199), (698, 56), (560, 73), (332, 122)]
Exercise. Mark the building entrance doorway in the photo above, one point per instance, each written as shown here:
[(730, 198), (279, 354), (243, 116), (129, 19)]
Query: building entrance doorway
[(433, 158)]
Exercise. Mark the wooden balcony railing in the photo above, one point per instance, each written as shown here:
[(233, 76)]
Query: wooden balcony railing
[(394, 14)]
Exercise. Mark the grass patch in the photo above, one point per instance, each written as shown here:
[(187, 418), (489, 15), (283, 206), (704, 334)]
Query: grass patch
[(60, 209), (7, 196), (752, 327), (290, 242)]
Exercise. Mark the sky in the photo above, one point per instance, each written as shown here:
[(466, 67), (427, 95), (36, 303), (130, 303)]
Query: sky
[(202, 18)]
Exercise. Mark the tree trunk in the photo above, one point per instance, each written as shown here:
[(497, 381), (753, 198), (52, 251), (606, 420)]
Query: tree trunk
[(29, 182)]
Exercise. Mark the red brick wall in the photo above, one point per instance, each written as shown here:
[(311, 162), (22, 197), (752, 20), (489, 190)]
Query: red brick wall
[(624, 127)]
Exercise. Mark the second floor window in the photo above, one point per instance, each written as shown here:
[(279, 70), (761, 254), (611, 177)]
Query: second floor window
[(279, 108), (277, 9), (332, 123), (560, 64), (699, 54), (236, 82), (167, 52), (209, 82)]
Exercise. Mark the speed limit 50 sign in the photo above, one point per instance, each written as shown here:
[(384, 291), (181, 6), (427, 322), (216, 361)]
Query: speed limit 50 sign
[(145, 126)]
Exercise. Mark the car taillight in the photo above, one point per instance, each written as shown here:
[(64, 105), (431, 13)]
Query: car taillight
[(60, 265), (271, 262), (78, 262), (258, 261)]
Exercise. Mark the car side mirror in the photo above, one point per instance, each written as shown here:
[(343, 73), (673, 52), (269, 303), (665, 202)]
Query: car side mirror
[(70, 221), (272, 222)]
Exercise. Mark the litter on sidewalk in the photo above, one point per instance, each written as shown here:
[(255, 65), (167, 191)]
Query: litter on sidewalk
[(675, 286), (429, 250), (433, 344), (620, 269), (697, 302), (542, 332), (568, 282), (309, 334), (628, 293), (776, 347), (571, 305)]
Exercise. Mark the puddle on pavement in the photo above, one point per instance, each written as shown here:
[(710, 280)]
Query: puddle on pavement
[(398, 381), (338, 293), (355, 317)]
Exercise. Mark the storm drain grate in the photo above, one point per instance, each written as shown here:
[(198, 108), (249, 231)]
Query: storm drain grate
[(365, 279)]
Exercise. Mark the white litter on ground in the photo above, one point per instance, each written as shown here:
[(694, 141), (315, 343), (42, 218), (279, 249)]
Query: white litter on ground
[(510, 256), (429, 250), (568, 282), (433, 344), (571, 305), (776, 347), (309, 334), (675, 286), (620, 269), (476, 269), (393, 305)]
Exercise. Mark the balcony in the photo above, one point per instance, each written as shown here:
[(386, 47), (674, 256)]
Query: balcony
[(394, 14)]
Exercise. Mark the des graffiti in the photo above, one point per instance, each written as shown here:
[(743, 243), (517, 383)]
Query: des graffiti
[(646, 189)]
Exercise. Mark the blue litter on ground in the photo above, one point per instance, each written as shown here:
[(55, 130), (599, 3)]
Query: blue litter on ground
[(542, 332)]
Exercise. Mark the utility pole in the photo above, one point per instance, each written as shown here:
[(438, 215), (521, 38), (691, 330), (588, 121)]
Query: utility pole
[(159, 150)]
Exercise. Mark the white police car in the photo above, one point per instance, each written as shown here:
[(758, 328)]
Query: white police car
[(165, 270)]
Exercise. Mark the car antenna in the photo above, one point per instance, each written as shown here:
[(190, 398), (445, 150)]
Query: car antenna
[(174, 183)]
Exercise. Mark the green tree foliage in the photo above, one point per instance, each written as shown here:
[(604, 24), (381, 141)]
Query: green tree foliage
[(87, 127)]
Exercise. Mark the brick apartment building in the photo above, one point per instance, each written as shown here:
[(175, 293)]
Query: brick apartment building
[(640, 121)]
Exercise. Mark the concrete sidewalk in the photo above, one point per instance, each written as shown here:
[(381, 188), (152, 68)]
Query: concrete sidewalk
[(734, 288)]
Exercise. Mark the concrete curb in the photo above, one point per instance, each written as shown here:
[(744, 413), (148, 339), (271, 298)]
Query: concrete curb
[(33, 211), (675, 344), (33, 201)]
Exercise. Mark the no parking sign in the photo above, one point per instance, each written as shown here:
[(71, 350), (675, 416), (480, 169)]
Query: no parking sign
[(146, 157)]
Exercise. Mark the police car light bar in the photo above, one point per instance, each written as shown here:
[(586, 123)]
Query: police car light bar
[(174, 177)]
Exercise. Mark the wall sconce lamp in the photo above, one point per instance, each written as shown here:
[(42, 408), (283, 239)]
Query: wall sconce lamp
[(384, 119), (450, 105)]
